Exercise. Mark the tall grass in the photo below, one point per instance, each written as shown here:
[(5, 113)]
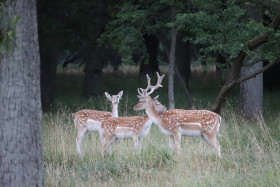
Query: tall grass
[(250, 151)]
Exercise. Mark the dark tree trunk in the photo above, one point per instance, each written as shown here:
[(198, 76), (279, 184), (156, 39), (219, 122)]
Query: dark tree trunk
[(93, 74), (48, 77), (21, 154), (183, 57), (152, 45)]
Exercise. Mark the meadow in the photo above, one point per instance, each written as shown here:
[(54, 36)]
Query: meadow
[(250, 151)]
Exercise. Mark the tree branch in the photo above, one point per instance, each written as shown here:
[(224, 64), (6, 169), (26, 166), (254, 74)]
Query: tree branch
[(267, 3), (267, 67), (257, 41)]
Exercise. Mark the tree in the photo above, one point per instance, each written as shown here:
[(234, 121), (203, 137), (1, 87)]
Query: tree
[(21, 154), (217, 28), (251, 90)]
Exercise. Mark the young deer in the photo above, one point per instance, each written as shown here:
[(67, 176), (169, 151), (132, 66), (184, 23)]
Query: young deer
[(177, 122), (134, 127), (91, 120)]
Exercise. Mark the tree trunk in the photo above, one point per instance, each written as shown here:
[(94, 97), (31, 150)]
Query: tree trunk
[(183, 57), (171, 99), (152, 44), (21, 154), (251, 91), (48, 77), (93, 85)]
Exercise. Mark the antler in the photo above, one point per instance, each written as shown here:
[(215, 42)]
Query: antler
[(142, 91)]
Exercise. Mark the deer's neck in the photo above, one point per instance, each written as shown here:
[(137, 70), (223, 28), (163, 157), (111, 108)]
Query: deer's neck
[(115, 110), (154, 115), (147, 122)]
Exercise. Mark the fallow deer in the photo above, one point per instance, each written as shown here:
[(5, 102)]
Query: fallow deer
[(91, 120), (134, 127), (178, 122)]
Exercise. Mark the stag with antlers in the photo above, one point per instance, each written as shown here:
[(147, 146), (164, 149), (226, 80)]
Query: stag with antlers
[(177, 122)]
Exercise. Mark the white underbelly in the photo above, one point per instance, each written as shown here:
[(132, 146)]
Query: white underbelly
[(189, 132), (93, 125), (123, 135)]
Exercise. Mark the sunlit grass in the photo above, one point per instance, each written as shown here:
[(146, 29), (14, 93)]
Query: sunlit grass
[(250, 151)]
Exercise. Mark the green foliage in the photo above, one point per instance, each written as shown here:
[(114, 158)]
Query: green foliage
[(216, 26), (7, 29), (134, 19)]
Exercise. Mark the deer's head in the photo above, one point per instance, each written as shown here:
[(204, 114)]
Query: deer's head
[(114, 98), (145, 100)]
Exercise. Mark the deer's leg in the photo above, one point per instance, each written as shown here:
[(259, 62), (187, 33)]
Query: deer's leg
[(102, 138), (212, 141), (81, 134), (140, 144), (107, 144), (171, 142), (135, 140), (177, 138)]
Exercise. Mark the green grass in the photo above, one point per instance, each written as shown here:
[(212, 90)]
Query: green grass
[(250, 151)]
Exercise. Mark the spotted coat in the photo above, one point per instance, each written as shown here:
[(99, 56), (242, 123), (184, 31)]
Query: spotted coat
[(82, 116), (202, 120), (134, 124)]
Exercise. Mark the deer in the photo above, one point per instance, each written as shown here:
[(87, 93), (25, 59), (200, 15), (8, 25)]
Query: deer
[(178, 122), (91, 120), (135, 127)]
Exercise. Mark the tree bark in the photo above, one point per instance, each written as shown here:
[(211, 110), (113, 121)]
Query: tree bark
[(251, 91), (21, 154)]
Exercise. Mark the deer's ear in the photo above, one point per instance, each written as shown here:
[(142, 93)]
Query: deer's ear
[(156, 97), (108, 95), (120, 94)]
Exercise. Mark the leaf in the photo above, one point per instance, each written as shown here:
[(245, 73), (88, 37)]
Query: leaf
[(14, 21), (11, 35)]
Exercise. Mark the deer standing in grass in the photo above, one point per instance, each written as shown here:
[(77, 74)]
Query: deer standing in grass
[(91, 120), (134, 127), (177, 122)]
